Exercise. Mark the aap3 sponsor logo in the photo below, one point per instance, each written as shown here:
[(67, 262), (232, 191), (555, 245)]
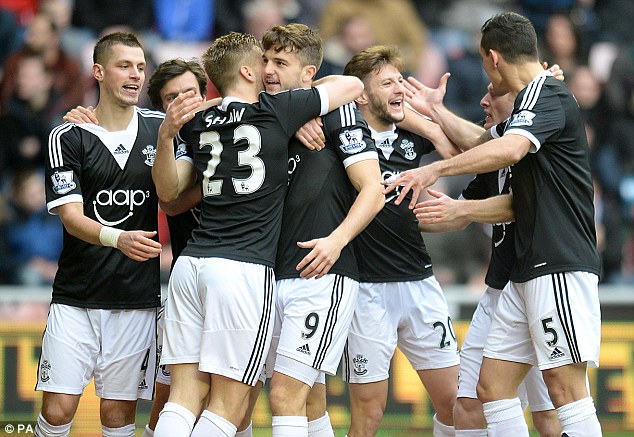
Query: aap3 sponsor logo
[(107, 205)]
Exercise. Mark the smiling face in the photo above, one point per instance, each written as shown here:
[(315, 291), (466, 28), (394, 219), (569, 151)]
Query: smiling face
[(385, 95), (283, 70), (123, 75)]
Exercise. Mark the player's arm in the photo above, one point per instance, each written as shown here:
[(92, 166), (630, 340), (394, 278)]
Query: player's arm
[(418, 124), (429, 101), (339, 89), (137, 245), (365, 176), (187, 200), (492, 155), (442, 213), (169, 178)]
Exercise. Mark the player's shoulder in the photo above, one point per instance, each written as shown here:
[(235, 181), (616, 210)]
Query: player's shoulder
[(149, 113), (64, 133), (345, 116)]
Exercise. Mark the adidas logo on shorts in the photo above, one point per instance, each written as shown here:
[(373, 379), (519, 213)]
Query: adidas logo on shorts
[(142, 385), (304, 349), (556, 354)]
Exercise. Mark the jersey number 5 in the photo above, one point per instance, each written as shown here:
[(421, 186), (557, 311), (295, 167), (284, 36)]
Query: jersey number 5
[(248, 157)]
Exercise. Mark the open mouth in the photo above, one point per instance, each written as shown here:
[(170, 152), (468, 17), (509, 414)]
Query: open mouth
[(396, 104), (131, 88)]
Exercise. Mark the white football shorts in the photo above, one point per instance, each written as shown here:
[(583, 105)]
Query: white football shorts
[(312, 322), (532, 391), (412, 315), (116, 347), (549, 321), (219, 313)]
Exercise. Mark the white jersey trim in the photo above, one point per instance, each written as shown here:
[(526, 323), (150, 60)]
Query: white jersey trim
[(54, 144), (536, 144), (364, 156), (325, 100), (347, 115), (73, 198)]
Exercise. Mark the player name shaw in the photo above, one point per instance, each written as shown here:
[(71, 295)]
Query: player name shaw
[(234, 115)]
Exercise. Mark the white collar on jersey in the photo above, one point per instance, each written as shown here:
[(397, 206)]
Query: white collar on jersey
[(228, 100)]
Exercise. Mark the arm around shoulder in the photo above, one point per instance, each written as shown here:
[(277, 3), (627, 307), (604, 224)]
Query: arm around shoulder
[(340, 89)]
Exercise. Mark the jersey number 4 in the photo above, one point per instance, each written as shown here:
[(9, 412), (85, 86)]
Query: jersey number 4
[(248, 157)]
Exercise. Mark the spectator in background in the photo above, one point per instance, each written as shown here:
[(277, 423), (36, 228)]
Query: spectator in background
[(394, 22), (260, 15), (540, 11), (42, 37), (355, 34), (561, 44), (34, 236), (32, 111), (461, 43)]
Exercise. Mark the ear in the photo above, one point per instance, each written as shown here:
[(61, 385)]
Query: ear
[(308, 73), (495, 57), (246, 73), (362, 99), (97, 71)]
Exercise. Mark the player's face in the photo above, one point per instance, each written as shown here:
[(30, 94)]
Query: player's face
[(496, 108), (386, 94), (124, 74), (178, 85), (281, 71)]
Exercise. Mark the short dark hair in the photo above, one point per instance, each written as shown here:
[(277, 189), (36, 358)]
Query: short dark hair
[(104, 46), (373, 58), (223, 59), (511, 34), (167, 71), (298, 38)]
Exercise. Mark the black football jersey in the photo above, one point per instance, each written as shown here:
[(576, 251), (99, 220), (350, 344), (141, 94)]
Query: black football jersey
[(552, 184), (240, 152), (320, 193), (181, 225), (110, 173), (484, 186), (391, 248)]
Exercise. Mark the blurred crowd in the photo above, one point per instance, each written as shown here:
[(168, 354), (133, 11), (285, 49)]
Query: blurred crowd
[(46, 69)]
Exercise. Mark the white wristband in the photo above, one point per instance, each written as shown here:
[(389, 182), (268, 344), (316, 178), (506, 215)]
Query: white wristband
[(109, 236)]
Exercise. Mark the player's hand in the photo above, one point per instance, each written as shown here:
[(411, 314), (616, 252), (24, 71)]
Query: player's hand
[(412, 180), (325, 252), (424, 99), (180, 111), (555, 70), (80, 115), (138, 245), (441, 208), (311, 135)]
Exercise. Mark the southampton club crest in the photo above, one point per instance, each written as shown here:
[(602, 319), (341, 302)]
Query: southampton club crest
[(359, 363), (45, 368), (408, 148), (150, 154)]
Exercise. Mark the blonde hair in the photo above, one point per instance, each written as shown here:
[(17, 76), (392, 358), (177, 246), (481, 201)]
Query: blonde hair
[(227, 54)]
